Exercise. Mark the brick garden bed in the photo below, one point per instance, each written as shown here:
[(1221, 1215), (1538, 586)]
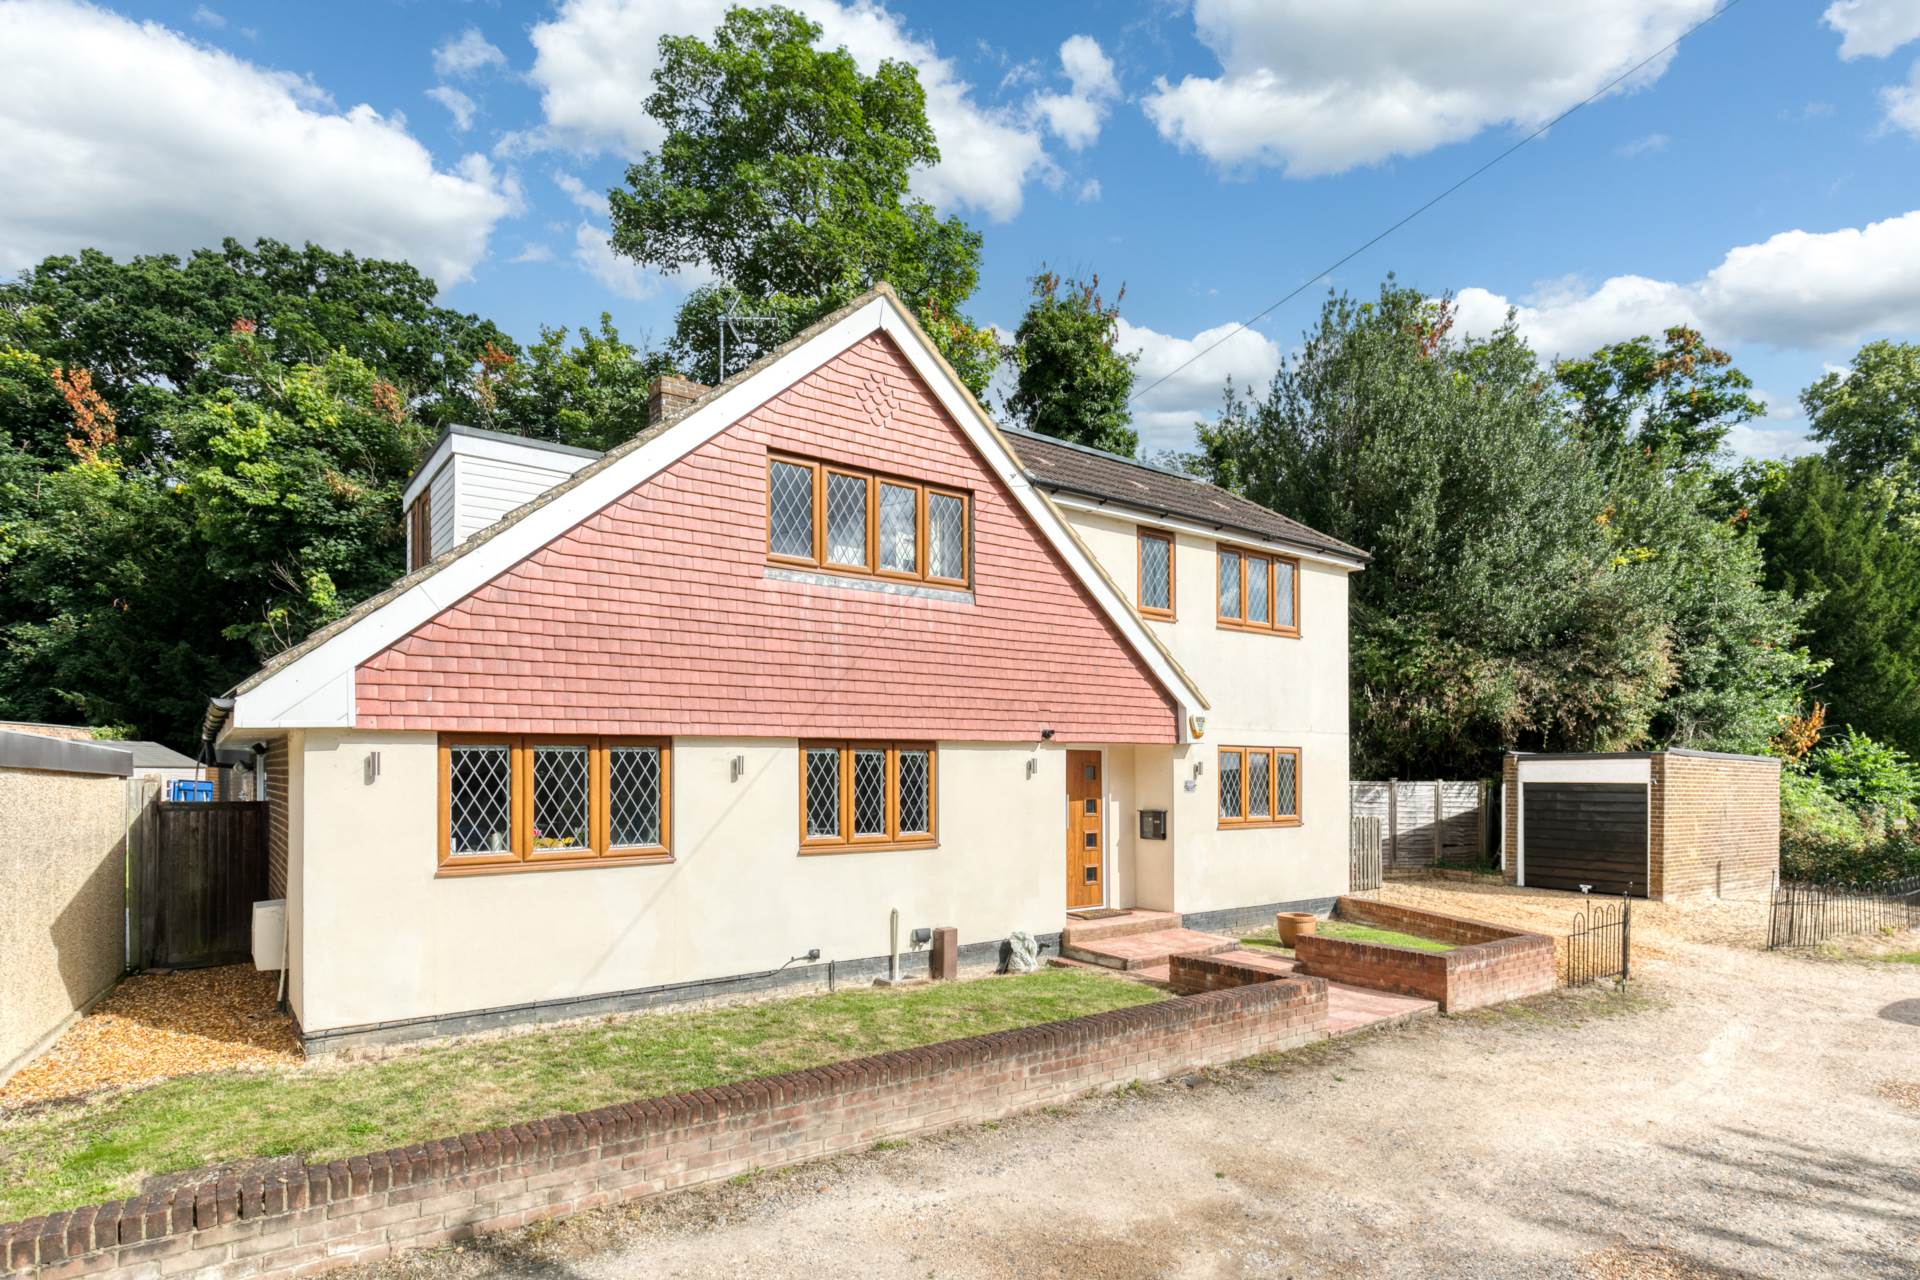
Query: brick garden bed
[(1489, 963), (300, 1219)]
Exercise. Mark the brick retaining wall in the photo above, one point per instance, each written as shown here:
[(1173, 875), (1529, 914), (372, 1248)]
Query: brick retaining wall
[(316, 1217), (1488, 965)]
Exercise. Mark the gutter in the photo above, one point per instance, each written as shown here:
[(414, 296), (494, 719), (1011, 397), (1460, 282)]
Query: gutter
[(218, 709)]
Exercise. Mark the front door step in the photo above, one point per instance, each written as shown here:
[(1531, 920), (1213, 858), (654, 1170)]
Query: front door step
[(1144, 950), (1078, 933)]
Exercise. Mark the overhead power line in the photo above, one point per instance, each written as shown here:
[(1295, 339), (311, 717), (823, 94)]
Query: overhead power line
[(1344, 259)]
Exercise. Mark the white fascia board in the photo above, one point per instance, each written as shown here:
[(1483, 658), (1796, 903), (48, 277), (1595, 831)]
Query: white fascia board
[(1239, 537), (423, 478), (454, 445), (316, 689)]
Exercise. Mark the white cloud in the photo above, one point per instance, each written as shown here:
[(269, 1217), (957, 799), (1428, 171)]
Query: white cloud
[(1873, 28), (208, 18), (131, 138), (1164, 416), (1653, 142), (1781, 432), (458, 103), (1798, 289), (467, 54), (1089, 191), (1317, 88), (1901, 103), (578, 192), (533, 251), (1075, 117), (625, 277), (594, 62)]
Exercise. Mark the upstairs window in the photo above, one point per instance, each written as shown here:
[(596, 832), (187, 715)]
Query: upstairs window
[(865, 795), (1156, 574), (1259, 786), (1259, 592), (848, 521), (420, 531), (511, 801)]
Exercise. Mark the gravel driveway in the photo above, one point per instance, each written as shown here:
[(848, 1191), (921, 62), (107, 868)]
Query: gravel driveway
[(1740, 1114)]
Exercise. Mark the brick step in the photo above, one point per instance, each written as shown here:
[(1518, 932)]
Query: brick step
[(1080, 932), (1146, 950)]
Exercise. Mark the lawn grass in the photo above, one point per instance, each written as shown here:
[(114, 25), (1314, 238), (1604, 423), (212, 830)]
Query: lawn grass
[(1902, 957), (1349, 932), (56, 1157)]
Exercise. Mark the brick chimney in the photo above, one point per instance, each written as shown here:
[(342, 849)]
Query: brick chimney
[(669, 397)]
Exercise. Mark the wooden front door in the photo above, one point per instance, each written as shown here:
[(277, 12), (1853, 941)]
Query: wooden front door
[(1086, 836)]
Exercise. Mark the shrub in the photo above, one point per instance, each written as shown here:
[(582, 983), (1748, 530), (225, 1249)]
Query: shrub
[(1823, 837), (1867, 774)]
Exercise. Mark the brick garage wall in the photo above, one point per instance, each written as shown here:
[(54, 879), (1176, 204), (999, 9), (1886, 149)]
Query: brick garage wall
[(1489, 965), (1716, 825), (371, 1207)]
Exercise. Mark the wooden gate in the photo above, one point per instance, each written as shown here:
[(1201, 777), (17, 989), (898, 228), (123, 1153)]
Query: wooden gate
[(201, 869)]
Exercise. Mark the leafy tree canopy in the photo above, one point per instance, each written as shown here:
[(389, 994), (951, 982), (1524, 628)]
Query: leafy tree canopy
[(1676, 400), (1072, 382), (1869, 418), (1528, 588), (785, 171), (1833, 546), (142, 329)]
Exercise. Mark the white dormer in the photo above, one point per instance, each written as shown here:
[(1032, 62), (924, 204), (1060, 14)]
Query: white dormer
[(472, 478)]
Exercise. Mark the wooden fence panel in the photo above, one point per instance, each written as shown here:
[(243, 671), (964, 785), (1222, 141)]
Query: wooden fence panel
[(204, 867), (1423, 823), (1365, 870)]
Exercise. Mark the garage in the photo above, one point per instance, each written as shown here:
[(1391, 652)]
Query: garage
[(1591, 834), (1657, 824)]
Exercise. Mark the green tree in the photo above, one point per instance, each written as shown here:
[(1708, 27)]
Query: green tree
[(785, 171), (1073, 383), (1833, 546), (592, 394), (1677, 400), (143, 328), (1869, 419)]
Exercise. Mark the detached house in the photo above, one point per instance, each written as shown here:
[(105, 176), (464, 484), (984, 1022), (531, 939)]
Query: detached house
[(820, 644)]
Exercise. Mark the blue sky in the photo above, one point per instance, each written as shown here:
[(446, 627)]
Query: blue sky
[(1759, 182)]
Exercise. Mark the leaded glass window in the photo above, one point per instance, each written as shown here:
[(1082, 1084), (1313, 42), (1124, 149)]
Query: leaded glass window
[(1286, 784), (1283, 574), (846, 519), (899, 528), (916, 796), (790, 510), (635, 797), (1230, 584), (869, 792), (1258, 605), (1229, 784), (480, 799), (946, 536), (1259, 783), (1156, 572), (823, 793), (562, 810)]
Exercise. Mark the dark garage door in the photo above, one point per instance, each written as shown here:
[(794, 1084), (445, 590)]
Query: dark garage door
[(1592, 833)]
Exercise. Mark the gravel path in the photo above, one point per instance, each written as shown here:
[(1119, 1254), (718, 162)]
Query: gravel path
[(1741, 1114)]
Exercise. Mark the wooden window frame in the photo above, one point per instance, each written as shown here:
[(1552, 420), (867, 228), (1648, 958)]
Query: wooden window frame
[(922, 571), (523, 856), (1272, 819), (1272, 560), (846, 841), (1171, 612), (420, 530)]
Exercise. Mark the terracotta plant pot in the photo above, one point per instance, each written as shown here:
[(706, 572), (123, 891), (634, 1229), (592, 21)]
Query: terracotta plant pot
[(1294, 925)]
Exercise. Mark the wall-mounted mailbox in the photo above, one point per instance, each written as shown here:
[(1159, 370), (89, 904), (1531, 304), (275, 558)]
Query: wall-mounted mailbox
[(1153, 824)]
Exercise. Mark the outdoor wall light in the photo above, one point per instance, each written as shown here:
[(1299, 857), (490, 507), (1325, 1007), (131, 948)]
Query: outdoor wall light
[(737, 768), (372, 767), (1199, 767), (1033, 765)]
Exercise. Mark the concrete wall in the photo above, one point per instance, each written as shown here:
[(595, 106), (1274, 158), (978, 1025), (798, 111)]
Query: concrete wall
[(380, 938), (62, 928), (1265, 690)]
